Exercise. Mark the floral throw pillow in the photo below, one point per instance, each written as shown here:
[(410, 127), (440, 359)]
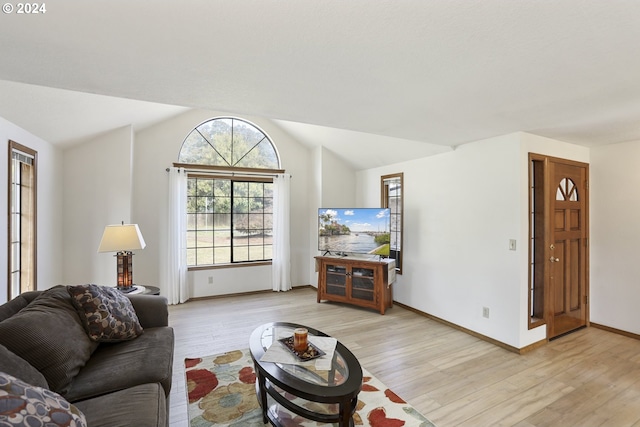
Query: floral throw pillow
[(107, 314), (22, 404)]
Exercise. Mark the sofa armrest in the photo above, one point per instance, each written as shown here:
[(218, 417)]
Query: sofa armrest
[(152, 310)]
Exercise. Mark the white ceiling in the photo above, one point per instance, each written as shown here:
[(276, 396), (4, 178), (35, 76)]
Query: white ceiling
[(429, 75)]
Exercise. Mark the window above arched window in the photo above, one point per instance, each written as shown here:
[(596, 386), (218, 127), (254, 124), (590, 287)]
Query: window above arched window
[(229, 142)]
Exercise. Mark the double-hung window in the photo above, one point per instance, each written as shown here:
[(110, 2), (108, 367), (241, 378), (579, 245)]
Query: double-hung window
[(230, 165)]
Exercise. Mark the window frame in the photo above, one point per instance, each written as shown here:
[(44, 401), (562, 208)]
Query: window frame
[(384, 201), (28, 249), (536, 306), (259, 177)]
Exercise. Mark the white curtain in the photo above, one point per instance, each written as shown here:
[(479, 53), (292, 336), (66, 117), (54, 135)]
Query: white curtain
[(174, 272), (281, 263)]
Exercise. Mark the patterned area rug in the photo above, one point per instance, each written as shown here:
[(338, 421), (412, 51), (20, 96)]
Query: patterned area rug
[(221, 392)]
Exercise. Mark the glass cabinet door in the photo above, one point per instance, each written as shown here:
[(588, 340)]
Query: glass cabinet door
[(362, 283), (336, 280)]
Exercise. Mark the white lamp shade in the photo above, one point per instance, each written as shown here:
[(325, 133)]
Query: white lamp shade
[(124, 237)]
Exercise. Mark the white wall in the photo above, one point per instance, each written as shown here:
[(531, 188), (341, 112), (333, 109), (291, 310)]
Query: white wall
[(50, 193), (157, 148), (615, 251), (460, 210), (98, 192), (334, 184)]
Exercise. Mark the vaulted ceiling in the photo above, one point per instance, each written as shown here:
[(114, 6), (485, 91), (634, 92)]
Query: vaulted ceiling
[(422, 76)]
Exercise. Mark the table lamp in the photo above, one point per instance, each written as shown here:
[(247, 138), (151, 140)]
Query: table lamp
[(123, 239)]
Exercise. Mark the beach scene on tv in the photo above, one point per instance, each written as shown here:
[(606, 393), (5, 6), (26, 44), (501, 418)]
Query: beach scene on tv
[(358, 231)]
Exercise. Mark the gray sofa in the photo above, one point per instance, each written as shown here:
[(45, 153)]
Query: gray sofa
[(111, 382)]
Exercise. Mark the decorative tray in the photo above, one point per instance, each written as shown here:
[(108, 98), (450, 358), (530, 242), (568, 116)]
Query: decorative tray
[(311, 353)]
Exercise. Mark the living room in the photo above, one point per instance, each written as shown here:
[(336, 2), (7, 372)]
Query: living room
[(462, 207)]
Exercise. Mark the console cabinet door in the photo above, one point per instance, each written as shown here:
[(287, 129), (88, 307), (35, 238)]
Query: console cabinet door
[(363, 284), (336, 279), (356, 282)]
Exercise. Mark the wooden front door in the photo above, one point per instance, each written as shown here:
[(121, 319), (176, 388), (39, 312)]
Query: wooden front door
[(568, 202)]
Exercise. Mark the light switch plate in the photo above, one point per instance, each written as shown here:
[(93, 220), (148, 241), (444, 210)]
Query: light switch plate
[(512, 244)]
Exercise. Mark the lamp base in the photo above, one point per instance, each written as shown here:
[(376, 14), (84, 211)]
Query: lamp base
[(126, 289)]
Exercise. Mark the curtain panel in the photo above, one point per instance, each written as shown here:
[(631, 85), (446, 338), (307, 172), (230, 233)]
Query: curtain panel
[(281, 262), (174, 272)]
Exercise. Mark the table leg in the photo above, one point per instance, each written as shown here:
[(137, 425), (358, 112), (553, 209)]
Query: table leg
[(346, 408), (262, 388)]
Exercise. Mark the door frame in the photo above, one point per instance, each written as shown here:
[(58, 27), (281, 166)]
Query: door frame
[(543, 196)]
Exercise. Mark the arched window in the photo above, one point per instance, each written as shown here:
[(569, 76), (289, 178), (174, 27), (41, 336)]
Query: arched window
[(229, 142), (231, 164)]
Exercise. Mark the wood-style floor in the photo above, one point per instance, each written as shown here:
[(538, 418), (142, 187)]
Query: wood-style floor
[(588, 378)]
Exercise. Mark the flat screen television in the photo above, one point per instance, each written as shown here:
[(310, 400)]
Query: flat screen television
[(347, 231)]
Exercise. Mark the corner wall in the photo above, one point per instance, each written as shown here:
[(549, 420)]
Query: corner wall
[(615, 203), (98, 192)]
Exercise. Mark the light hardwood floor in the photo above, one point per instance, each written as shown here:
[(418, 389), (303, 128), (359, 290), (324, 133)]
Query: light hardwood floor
[(588, 378)]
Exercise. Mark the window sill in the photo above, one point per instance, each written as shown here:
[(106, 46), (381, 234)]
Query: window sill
[(234, 265)]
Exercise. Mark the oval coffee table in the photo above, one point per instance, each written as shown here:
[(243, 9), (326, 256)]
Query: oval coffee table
[(292, 385)]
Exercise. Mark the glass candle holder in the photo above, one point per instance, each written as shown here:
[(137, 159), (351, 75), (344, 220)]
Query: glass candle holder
[(300, 343)]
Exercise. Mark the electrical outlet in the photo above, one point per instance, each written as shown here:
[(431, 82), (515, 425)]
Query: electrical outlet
[(211, 280), (485, 312)]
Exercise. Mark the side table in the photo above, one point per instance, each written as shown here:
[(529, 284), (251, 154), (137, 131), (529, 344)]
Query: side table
[(144, 290)]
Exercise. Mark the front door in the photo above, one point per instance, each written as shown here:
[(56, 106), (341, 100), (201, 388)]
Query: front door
[(567, 239)]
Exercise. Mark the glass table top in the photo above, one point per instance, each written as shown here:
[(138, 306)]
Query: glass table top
[(337, 372)]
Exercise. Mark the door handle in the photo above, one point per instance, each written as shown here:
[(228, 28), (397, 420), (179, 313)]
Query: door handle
[(552, 259)]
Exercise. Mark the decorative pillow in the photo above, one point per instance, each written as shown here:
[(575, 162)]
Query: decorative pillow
[(49, 335), (107, 314), (22, 404)]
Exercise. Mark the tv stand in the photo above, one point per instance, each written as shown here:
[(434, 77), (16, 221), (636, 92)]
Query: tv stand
[(357, 281)]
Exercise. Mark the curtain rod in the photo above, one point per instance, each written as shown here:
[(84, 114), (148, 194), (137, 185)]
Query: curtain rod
[(270, 172)]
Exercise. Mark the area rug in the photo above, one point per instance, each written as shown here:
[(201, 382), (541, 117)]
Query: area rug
[(221, 392)]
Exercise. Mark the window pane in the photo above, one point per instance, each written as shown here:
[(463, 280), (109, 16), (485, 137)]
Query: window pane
[(205, 222), (191, 239), (240, 253), (222, 255), (268, 205), (191, 257), (222, 205), (205, 256), (256, 222), (256, 253), (204, 239), (222, 222), (222, 238), (218, 134), (268, 252)]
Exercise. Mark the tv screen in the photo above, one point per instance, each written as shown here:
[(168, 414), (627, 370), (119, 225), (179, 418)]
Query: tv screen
[(354, 231)]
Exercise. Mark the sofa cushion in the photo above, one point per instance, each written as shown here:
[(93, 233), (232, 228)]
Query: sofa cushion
[(18, 367), (112, 367), (22, 404), (49, 335), (140, 406), (107, 314), (10, 308)]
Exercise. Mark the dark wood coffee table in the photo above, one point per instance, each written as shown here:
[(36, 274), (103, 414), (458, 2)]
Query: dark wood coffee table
[(288, 385)]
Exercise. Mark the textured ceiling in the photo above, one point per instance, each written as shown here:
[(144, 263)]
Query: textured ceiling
[(441, 72)]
